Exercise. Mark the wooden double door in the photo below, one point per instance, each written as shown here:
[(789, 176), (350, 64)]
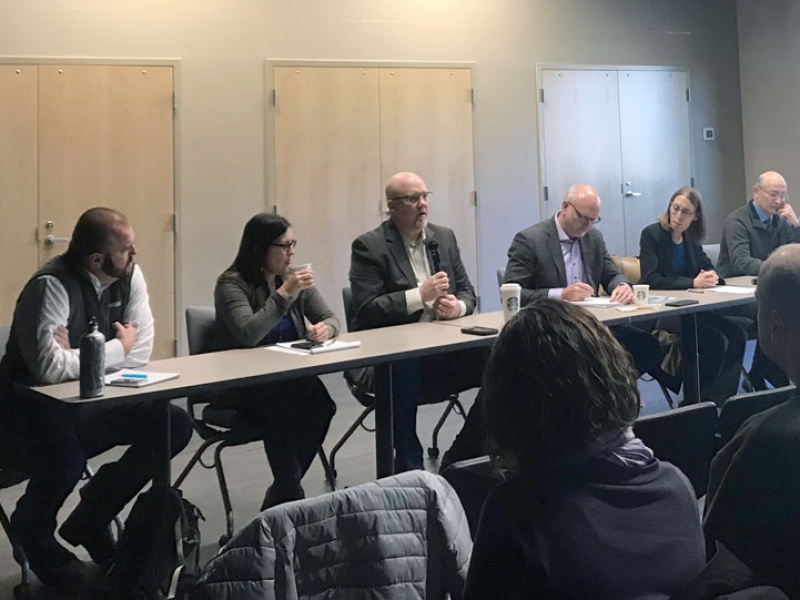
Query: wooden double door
[(77, 136), (341, 132)]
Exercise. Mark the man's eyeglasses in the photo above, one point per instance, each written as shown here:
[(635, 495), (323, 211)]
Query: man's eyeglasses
[(675, 210), (775, 194), (584, 218), (285, 247), (413, 198)]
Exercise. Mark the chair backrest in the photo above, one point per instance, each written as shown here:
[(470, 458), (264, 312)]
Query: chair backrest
[(737, 409), (472, 480), (200, 328), (630, 267), (409, 530), (5, 330), (501, 276), (712, 251), (685, 437), (347, 301)]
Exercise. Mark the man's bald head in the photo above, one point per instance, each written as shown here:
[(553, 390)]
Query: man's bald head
[(778, 317), (95, 231), (582, 194), (769, 192), (580, 210), (407, 201)]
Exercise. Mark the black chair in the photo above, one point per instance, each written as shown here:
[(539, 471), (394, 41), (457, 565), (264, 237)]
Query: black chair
[(737, 409), (473, 479), (685, 437), (222, 428), (10, 477), (367, 399)]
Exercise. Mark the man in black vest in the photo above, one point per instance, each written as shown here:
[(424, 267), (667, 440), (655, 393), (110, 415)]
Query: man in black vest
[(51, 441)]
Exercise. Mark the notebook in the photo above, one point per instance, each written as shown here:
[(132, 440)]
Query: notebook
[(138, 379)]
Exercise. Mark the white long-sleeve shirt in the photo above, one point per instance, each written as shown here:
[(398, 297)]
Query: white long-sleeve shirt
[(45, 304)]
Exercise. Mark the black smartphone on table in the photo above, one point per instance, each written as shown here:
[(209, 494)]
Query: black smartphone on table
[(478, 330), (685, 302)]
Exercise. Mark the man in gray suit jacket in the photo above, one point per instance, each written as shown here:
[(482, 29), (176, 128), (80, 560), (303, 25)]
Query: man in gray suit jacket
[(565, 258), (408, 270)]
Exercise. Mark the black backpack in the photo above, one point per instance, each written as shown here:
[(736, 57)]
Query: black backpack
[(158, 555)]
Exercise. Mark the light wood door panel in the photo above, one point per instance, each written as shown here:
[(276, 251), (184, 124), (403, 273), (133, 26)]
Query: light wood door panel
[(106, 139), (327, 175), (580, 116), (426, 128), (654, 131), (18, 182)]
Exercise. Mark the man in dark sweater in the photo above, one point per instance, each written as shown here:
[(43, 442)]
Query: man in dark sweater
[(753, 502), (751, 233)]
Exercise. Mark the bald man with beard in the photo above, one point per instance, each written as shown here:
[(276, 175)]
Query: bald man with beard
[(408, 270)]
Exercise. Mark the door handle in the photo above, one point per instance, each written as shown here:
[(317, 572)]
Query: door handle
[(51, 240), (629, 193)]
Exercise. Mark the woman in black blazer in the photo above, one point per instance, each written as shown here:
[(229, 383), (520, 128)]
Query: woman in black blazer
[(672, 258)]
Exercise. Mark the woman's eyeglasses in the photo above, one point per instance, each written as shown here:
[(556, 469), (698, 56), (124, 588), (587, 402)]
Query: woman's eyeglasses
[(285, 246)]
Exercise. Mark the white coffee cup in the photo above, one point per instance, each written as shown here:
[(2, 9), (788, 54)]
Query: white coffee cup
[(641, 294), (302, 267), (510, 298)]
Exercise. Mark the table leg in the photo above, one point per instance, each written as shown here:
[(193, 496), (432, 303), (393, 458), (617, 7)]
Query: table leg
[(162, 475), (690, 366), (384, 428)]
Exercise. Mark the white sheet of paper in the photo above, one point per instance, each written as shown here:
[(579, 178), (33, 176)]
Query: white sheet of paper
[(601, 301), (732, 289), (332, 347)]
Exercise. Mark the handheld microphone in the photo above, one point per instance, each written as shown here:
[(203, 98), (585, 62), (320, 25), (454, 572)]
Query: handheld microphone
[(436, 260)]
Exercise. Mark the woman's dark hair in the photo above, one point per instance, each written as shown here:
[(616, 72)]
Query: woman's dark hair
[(696, 232), (259, 233), (556, 379)]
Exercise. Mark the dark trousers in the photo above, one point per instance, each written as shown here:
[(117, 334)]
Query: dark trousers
[(644, 349), (720, 347), (763, 369), (295, 416), (56, 441), (645, 353), (426, 381)]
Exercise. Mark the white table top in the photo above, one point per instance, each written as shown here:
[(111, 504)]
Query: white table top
[(235, 368)]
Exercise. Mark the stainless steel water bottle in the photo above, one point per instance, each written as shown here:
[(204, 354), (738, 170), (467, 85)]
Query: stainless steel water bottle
[(93, 362)]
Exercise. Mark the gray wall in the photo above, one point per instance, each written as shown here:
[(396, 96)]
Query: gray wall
[(222, 46), (769, 50)]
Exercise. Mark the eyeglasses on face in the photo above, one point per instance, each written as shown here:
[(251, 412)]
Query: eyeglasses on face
[(413, 198), (584, 218), (675, 210), (775, 194), (285, 246)]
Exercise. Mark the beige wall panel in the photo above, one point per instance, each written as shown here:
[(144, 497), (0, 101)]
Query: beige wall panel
[(326, 165), (18, 182), (426, 127), (106, 140)]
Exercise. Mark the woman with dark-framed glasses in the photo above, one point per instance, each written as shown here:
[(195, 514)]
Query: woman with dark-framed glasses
[(261, 299), (672, 258)]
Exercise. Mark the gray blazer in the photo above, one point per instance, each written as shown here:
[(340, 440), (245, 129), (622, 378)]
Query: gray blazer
[(536, 263), (380, 274)]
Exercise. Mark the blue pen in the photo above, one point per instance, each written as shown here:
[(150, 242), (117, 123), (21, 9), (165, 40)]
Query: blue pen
[(134, 376)]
